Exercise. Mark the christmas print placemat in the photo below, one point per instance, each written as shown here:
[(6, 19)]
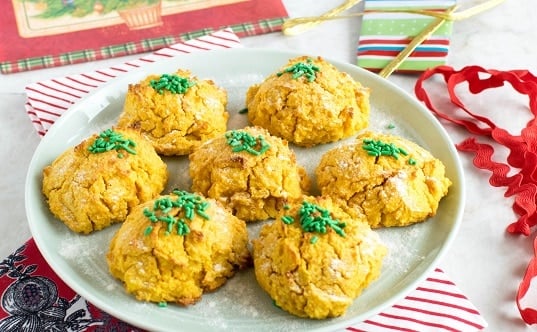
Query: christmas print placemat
[(46, 33), (33, 298)]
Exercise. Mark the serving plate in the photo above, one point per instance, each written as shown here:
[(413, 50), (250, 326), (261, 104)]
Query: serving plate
[(240, 305)]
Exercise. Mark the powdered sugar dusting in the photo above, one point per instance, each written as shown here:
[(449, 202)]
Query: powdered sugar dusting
[(241, 305), (404, 249)]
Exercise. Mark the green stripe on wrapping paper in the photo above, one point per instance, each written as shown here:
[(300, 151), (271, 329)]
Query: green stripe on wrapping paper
[(383, 33), (371, 5), (402, 27), (407, 65)]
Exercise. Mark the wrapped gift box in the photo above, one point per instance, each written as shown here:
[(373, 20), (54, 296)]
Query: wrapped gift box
[(385, 33)]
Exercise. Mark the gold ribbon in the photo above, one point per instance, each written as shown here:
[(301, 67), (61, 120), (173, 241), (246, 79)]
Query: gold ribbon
[(299, 25), (296, 26), (415, 42)]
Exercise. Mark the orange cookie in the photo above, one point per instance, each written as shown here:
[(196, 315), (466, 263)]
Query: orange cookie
[(309, 102), (388, 179)]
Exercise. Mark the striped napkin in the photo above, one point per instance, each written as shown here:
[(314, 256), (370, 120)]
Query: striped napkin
[(436, 304), (385, 34)]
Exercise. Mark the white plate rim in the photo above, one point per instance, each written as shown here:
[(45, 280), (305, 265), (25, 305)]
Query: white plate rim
[(51, 257)]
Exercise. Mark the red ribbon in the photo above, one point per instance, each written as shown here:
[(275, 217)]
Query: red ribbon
[(522, 147)]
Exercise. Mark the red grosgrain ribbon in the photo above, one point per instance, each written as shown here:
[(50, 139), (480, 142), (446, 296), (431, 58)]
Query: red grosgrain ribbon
[(522, 148)]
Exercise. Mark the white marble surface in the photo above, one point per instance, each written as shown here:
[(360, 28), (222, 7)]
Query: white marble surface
[(485, 261)]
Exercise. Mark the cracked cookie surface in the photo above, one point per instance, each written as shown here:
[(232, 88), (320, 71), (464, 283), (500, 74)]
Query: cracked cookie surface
[(331, 107), (159, 265), (90, 191), (398, 187), (254, 186), (316, 275), (176, 123)]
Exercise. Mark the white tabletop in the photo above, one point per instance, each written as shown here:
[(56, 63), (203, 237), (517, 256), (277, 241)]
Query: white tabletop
[(485, 261)]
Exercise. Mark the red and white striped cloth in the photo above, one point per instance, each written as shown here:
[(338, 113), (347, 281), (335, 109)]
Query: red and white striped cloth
[(436, 305)]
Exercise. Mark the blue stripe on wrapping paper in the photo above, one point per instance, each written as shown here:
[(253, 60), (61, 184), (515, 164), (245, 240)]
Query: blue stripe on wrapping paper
[(384, 35)]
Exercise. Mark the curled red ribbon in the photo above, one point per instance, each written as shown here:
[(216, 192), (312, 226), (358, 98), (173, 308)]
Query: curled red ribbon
[(522, 148)]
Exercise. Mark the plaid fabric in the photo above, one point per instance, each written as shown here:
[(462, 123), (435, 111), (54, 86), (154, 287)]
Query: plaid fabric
[(147, 45)]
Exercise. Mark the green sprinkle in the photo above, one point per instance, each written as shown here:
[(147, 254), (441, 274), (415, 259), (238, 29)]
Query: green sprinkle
[(163, 304), (316, 219), (148, 230), (286, 207), (378, 148), (412, 161), (182, 228), (150, 215), (109, 140), (390, 126), (288, 220), (190, 204), (243, 111), (300, 69), (202, 214), (173, 83), (243, 141)]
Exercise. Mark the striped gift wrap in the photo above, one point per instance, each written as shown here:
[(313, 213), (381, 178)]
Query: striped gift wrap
[(385, 34)]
